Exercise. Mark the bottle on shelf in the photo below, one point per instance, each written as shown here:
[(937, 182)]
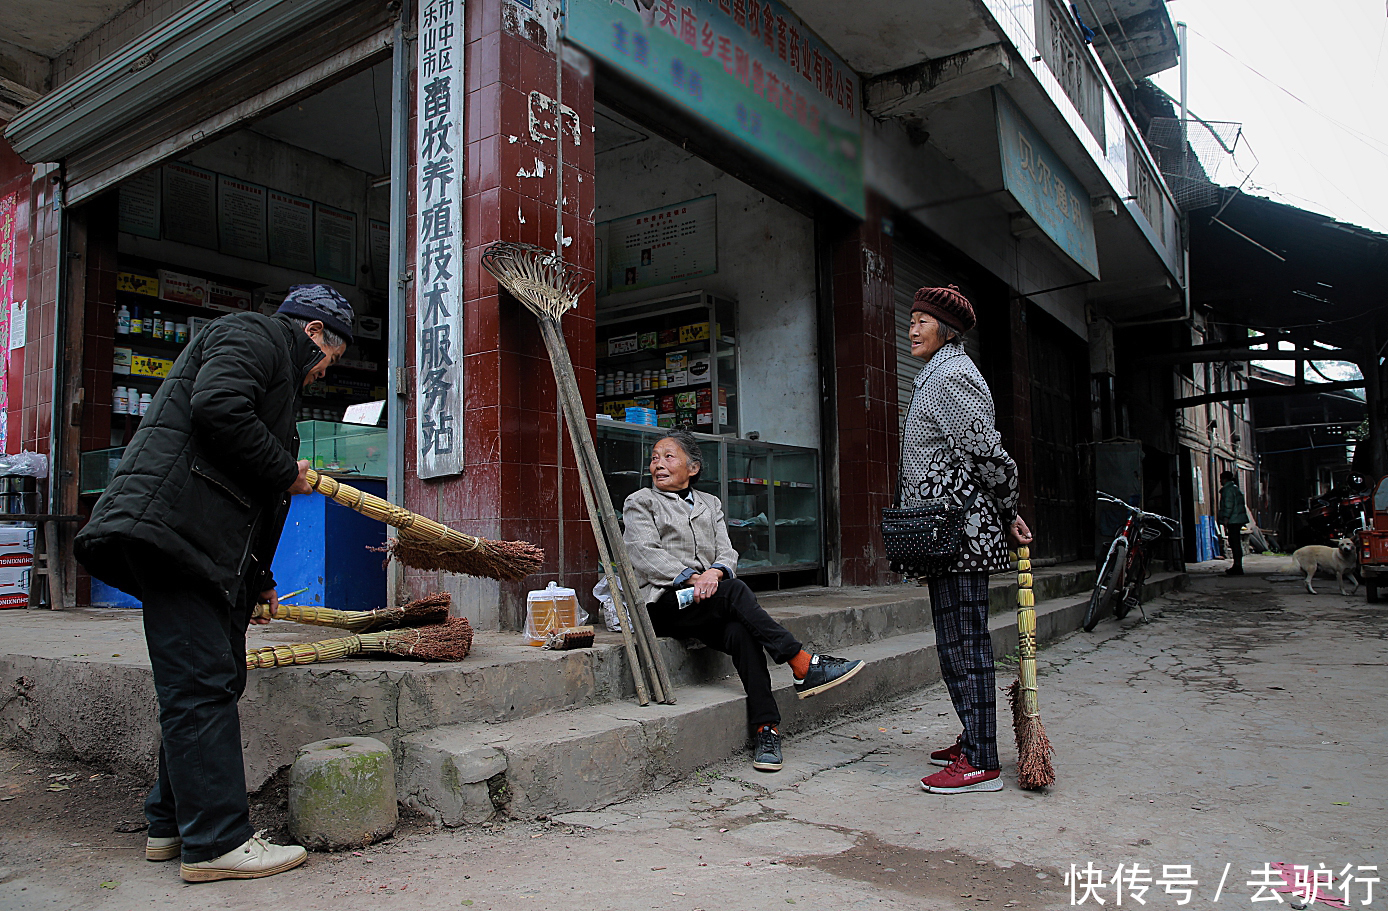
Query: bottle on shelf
[(145, 398), (123, 320), (137, 323), (181, 333), (120, 401), (156, 329)]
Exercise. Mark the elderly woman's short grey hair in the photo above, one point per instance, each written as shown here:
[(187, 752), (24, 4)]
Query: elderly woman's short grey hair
[(945, 332), (686, 441)]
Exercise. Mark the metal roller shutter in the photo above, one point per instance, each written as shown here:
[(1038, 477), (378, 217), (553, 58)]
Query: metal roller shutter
[(912, 270)]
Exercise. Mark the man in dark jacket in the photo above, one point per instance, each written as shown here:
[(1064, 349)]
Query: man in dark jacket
[(189, 525), (1233, 515)]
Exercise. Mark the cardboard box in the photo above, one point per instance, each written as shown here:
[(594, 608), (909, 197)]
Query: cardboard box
[(368, 327), (17, 538), (225, 297), (144, 365), (121, 363), (669, 338), (667, 403), (135, 283), (621, 344), (676, 365), (184, 289), (665, 419), (646, 340), (694, 332), (700, 368), (687, 401)]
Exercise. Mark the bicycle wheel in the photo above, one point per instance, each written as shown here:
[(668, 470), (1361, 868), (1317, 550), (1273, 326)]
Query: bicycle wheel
[(1105, 587), (1136, 574)]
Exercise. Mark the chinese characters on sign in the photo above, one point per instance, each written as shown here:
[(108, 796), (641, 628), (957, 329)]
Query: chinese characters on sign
[(663, 245), (1320, 884), (750, 67), (439, 256), (1043, 186)]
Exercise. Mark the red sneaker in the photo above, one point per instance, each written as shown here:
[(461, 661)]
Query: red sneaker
[(960, 777), (947, 756)]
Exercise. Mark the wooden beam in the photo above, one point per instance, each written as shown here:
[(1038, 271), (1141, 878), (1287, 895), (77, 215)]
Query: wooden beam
[(1239, 395)]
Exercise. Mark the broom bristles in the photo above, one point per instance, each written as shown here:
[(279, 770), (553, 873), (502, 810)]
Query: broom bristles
[(447, 641), (1034, 748), (505, 560), (420, 612), (534, 276)]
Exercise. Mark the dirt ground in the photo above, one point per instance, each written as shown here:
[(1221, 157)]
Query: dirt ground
[(1241, 726)]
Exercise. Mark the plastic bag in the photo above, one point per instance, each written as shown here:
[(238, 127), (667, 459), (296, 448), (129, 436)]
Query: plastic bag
[(606, 607), (27, 464)]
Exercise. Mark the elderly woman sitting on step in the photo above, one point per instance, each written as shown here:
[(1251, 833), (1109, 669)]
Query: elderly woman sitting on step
[(677, 538)]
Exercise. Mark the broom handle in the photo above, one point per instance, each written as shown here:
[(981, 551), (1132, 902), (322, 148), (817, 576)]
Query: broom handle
[(1026, 634), (387, 512), (590, 473), (300, 613)]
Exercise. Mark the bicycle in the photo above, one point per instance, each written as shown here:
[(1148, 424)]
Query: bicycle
[(1125, 567)]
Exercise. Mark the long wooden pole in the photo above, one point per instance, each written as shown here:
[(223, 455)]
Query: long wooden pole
[(605, 515)]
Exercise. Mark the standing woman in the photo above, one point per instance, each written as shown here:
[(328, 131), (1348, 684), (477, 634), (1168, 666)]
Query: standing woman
[(951, 451)]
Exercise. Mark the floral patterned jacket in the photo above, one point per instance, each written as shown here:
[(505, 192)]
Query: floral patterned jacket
[(950, 448)]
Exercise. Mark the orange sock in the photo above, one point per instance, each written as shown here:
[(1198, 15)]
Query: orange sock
[(768, 727), (800, 664)]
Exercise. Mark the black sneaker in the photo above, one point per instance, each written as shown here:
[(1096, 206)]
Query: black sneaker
[(766, 755), (826, 672)]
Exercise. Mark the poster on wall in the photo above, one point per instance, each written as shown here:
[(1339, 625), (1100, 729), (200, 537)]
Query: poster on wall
[(663, 245), (290, 231), (378, 248), (189, 205), (139, 204), (241, 208), (335, 243), (438, 393), (751, 68)]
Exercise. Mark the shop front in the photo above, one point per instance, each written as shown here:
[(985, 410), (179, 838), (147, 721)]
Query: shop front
[(194, 204)]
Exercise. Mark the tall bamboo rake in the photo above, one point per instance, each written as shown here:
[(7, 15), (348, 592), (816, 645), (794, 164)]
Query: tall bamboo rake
[(429, 545), (536, 278), (1033, 746)]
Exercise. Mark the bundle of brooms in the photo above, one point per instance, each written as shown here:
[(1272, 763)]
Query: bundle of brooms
[(1033, 746), (428, 545), (450, 640), (430, 609)]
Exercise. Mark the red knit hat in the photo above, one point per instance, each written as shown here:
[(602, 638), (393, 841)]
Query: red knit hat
[(948, 305)]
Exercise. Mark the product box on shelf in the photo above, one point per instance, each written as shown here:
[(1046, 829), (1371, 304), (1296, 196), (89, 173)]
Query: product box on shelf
[(687, 401), (705, 417), (621, 344), (121, 362), (677, 366), (647, 340), (665, 419), (144, 365), (135, 283), (223, 297), (705, 398), (700, 366), (196, 324), (694, 332), (184, 289), (16, 565), (669, 338), (667, 402)]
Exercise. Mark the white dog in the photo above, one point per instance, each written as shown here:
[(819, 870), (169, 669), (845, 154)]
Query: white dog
[(1340, 560)]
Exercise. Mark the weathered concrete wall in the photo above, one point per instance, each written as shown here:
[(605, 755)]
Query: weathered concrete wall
[(765, 263)]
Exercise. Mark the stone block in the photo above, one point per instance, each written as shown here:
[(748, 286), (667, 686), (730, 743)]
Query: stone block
[(448, 775), (342, 793)]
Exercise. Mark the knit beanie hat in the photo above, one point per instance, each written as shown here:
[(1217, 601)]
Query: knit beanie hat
[(319, 302), (947, 305)]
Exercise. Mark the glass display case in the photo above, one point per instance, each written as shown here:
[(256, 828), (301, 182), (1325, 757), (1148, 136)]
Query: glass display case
[(347, 449), (676, 356), (770, 492)]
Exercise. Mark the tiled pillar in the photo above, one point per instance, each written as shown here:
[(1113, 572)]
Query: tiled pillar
[(15, 178), (44, 222), (511, 487), (865, 388)]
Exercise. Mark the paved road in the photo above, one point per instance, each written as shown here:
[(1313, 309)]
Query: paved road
[(1242, 726)]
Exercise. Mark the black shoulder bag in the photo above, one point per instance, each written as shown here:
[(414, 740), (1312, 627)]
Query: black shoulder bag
[(925, 540)]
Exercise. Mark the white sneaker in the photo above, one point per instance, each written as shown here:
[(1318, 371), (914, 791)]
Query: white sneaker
[(256, 858), (157, 849)]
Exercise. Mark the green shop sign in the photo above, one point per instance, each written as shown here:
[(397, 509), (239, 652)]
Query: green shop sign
[(1043, 186), (749, 67)]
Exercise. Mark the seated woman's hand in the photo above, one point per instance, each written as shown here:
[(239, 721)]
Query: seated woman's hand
[(705, 584)]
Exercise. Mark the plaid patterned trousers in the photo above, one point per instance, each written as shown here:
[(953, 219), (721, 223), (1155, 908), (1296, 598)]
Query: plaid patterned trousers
[(959, 603)]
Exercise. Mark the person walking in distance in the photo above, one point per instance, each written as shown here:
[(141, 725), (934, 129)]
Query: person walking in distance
[(1233, 515), (951, 451), (189, 525)]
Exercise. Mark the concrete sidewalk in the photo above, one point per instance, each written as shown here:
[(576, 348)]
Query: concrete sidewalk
[(561, 729)]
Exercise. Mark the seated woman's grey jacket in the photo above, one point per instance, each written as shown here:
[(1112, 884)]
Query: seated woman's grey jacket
[(668, 542), (951, 448)]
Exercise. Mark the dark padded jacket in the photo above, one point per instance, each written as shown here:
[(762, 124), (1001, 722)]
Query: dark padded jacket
[(202, 486)]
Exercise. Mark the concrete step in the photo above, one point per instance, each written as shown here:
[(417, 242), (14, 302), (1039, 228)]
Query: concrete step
[(83, 686), (596, 755)]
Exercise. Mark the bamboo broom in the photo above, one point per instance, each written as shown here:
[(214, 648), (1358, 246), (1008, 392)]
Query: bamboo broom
[(424, 611), (536, 278), (447, 641), (1033, 746), (429, 545)]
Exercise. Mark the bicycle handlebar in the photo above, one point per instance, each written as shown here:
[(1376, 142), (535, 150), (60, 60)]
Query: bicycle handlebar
[(1141, 513)]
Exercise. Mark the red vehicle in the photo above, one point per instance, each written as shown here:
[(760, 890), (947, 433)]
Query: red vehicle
[(1373, 544)]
